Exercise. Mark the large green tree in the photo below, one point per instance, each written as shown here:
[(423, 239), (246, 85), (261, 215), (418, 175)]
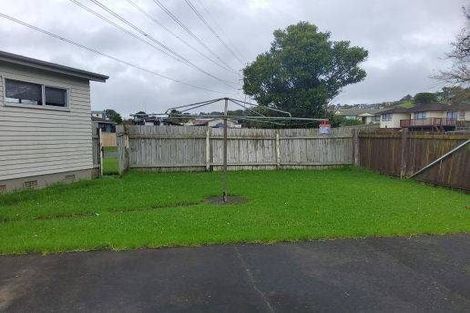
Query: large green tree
[(425, 98), (113, 116), (303, 70)]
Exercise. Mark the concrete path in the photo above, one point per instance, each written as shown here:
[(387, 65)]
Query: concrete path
[(421, 274)]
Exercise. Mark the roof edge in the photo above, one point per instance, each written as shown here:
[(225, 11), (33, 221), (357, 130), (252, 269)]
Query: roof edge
[(51, 67)]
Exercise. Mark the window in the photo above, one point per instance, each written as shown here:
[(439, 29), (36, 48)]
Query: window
[(420, 115), (452, 115), (23, 92), (462, 115), (20, 92), (56, 97), (386, 117)]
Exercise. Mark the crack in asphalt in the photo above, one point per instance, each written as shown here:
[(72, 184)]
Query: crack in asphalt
[(251, 279)]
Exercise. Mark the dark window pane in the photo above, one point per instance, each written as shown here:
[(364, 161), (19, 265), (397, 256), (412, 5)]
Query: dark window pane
[(56, 97), (23, 92)]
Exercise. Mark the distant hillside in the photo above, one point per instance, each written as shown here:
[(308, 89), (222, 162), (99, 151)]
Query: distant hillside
[(448, 95)]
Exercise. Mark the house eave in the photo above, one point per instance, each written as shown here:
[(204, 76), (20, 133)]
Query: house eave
[(16, 59)]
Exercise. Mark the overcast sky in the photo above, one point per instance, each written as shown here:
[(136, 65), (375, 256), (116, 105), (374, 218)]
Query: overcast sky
[(406, 41)]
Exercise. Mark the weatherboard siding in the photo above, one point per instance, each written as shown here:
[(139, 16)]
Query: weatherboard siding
[(395, 121), (38, 141)]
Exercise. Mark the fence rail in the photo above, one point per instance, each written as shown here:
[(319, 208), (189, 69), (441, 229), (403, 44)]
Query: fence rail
[(431, 121)]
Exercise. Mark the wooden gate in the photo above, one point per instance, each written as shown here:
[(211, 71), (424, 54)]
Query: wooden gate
[(97, 152)]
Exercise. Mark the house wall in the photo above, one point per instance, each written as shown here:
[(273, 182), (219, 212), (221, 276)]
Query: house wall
[(465, 118), (430, 114), (443, 114), (395, 121), (40, 142)]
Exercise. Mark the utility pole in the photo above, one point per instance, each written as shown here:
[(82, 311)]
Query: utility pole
[(224, 196)]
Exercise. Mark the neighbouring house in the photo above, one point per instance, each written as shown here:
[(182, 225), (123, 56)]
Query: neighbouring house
[(106, 126), (365, 115), (45, 127), (426, 117), (213, 123), (142, 118), (101, 121), (99, 114), (390, 118)]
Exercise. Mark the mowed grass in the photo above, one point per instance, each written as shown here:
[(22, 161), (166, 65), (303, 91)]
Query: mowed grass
[(110, 166), (168, 209)]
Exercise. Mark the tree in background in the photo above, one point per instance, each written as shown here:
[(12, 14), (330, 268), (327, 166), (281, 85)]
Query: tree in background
[(303, 70), (113, 116), (176, 117), (425, 98), (459, 73), (455, 95)]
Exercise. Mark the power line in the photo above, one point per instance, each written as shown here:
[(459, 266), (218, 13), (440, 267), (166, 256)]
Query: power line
[(117, 26), (221, 29), (187, 30), (43, 31), (201, 17), (153, 19), (175, 55)]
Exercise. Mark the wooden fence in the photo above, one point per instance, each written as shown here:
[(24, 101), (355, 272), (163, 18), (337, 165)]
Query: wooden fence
[(402, 154), (201, 148), (108, 139), (405, 153)]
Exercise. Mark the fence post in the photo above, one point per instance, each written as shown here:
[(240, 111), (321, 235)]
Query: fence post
[(278, 149), (123, 146), (355, 142), (404, 137), (208, 149)]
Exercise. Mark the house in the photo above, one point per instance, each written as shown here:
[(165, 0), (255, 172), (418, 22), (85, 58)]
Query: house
[(213, 123), (99, 114), (142, 118), (426, 117), (45, 127), (390, 118), (435, 115), (365, 115), (101, 121)]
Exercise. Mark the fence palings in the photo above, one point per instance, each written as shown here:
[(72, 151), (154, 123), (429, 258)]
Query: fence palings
[(403, 154), (200, 148)]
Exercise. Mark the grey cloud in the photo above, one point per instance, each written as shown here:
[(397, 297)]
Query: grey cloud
[(406, 42)]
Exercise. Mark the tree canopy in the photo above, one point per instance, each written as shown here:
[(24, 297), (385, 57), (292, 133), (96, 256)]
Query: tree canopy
[(113, 116), (303, 70), (425, 98), (459, 73)]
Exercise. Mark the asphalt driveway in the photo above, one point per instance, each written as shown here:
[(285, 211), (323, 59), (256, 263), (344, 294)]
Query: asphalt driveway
[(420, 274)]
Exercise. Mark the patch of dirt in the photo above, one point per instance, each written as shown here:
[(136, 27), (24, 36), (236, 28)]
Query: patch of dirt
[(219, 200)]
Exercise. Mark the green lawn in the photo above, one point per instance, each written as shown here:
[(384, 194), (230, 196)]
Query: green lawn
[(110, 149), (167, 209), (110, 166)]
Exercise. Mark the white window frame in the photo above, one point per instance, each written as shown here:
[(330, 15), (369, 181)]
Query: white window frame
[(7, 103), (421, 115), (387, 117), (454, 113)]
